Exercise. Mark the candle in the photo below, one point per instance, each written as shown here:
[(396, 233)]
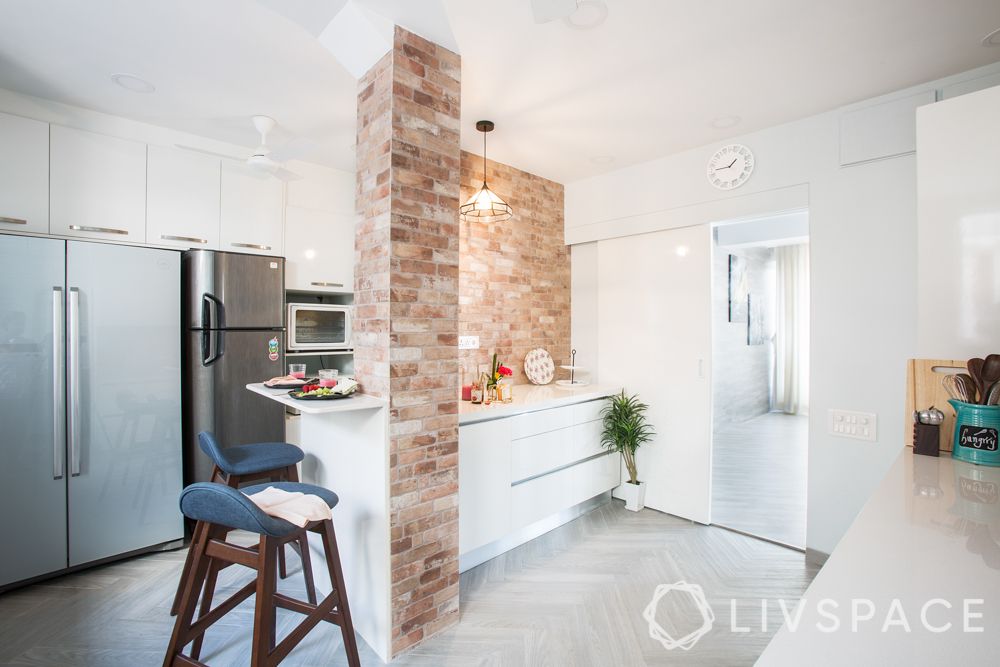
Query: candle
[(466, 392)]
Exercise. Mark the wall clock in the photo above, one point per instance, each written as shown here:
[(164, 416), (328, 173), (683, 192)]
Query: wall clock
[(730, 166)]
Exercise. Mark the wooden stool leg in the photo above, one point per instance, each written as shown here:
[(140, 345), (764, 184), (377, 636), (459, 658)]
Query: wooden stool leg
[(206, 604), (189, 599), (337, 578), (185, 573), (265, 615), (217, 476), (307, 569)]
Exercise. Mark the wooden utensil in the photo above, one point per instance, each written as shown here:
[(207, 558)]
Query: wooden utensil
[(975, 367), (989, 375)]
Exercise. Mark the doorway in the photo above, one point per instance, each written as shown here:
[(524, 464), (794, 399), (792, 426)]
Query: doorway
[(760, 376)]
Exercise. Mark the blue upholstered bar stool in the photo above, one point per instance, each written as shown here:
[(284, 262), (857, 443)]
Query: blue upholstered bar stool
[(219, 509), (274, 461)]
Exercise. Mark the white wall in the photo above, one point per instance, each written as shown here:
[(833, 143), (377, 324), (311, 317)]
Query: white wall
[(862, 222)]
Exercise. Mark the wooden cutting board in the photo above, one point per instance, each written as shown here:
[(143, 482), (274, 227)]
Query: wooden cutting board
[(924, 389)]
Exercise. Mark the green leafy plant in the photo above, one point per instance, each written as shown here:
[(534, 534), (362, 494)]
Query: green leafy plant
[(626, 429)]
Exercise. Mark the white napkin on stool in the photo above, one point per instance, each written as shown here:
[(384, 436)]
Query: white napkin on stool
[(294, 507)]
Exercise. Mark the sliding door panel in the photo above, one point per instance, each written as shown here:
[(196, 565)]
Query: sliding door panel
[(655, 340)]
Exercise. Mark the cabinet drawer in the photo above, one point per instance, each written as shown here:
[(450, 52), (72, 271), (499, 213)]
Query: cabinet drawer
[(540, 498), (540, 453), (593, 477), (584, 441), (589, 411), (542, 421)]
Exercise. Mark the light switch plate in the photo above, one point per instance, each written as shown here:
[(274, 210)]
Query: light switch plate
[(857, 425), (468, 342)]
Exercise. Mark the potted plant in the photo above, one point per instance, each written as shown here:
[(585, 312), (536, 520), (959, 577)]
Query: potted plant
[(625, 430)]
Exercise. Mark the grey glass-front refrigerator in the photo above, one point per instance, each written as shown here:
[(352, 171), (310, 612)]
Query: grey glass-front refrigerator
[(90, 402), (233, 336)]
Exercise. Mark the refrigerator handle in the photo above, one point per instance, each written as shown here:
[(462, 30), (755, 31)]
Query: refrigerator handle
[(73, 380), (211, 346), (211, 312), (58, 384)]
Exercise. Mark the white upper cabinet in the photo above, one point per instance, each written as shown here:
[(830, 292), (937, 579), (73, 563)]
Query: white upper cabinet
[(24, 175), (182, 198), (252, 207), (319, 250), (98, 186)]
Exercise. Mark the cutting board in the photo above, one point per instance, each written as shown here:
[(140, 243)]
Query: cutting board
[(924, 389)]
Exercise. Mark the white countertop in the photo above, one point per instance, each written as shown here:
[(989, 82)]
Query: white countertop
[(531, 397), (355, 402), (930, 531)]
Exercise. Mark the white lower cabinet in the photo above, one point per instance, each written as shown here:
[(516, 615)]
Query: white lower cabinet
[(483, 484), (520, 470)]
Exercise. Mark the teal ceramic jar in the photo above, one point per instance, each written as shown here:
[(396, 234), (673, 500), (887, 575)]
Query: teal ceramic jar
[(976, 432)]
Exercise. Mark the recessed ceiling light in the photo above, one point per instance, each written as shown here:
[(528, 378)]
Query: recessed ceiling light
[(992, 39), (589, 14), (601, 159), (133, 83), (682, 250), (725, 122)]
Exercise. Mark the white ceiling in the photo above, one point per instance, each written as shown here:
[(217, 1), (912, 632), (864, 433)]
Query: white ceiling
[(646, 83)]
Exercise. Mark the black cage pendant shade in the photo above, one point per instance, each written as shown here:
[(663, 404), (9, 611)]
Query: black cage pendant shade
[(485, 205)]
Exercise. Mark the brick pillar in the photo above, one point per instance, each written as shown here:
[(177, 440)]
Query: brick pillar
[(406, 321)]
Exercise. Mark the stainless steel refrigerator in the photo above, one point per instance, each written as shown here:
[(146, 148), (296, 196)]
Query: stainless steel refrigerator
[(233, 335), (90, 402)]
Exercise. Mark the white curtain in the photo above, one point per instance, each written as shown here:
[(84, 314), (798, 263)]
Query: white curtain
[(791, 332)]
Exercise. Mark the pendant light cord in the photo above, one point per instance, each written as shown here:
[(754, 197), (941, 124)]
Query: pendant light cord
[(484, 159)]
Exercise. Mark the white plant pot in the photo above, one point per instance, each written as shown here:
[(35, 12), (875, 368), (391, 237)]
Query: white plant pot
[(634, 495)]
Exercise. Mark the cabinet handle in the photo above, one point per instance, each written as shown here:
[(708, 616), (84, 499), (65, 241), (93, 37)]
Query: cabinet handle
[(13, 221), (189, 239), (323, 284), (101, 230), (254, 246)]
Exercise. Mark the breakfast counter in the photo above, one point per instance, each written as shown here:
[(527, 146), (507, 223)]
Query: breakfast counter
[(346, 443), (532, 398), (926, 547)]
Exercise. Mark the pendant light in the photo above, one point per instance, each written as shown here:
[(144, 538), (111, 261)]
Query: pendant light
[(485, 205)]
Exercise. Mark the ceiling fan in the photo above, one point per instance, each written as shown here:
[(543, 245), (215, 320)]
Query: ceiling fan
[(263, 159)]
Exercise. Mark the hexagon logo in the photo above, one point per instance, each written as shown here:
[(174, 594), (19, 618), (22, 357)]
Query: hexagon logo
[(689, 640)]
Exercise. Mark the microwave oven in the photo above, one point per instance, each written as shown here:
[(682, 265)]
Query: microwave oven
[(318, 326)]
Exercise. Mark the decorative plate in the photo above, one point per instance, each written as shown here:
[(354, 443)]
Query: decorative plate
[(539, 367)]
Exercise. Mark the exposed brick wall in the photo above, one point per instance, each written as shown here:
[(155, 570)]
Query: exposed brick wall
[(514, 276), (406, 284)]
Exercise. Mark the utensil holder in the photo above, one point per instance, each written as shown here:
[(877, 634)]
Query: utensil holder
[(976, 431)]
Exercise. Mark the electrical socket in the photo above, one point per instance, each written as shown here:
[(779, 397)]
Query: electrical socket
[(468, 342), (857, 425)]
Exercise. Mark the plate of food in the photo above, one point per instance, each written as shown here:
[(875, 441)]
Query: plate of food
[(288, 382), (315, 392)]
